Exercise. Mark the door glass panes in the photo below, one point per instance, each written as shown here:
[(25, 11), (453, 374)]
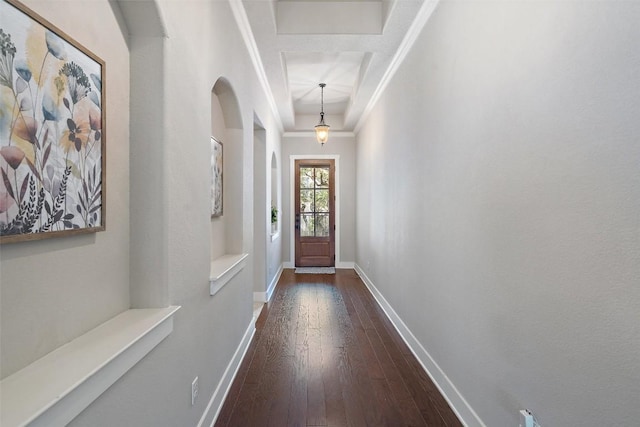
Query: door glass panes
[(314, 202), (307, 201), (322, 177), (322, 200), (307, 225), (306, 177), (322, 225)]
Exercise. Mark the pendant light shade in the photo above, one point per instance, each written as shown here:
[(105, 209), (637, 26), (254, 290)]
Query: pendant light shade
[(322, 129), (322, 132)]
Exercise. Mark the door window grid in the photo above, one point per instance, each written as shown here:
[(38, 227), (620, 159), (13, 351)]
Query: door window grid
[(314, 201)]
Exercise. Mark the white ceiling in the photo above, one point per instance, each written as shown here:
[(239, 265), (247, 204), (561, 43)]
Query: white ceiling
[(352, 46)]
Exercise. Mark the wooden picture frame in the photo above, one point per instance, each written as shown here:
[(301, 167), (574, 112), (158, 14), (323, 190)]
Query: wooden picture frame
[(52, 130), (217, 164)]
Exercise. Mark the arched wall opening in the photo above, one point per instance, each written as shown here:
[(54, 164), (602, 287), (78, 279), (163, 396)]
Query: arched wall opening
[(261, 211), (226, 127), (275, 227)]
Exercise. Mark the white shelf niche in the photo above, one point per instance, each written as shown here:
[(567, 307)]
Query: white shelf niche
[(223, 269), (54, 389)]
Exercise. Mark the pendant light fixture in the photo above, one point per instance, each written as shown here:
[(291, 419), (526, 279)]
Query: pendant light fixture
[(322, 129)]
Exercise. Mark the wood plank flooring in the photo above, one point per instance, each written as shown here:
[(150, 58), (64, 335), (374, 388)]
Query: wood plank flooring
[(325, 354)]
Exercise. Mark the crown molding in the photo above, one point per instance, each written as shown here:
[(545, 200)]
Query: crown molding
[(240, 15), (425, 12)]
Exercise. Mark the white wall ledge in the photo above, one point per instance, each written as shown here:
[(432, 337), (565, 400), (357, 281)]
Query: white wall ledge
[(223, 269), (275, 236), (57, 387)]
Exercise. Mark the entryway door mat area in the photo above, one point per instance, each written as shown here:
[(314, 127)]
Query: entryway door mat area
[(315, 270)]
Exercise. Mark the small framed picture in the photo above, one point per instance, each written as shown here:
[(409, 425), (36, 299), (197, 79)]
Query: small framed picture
[(216, 178)]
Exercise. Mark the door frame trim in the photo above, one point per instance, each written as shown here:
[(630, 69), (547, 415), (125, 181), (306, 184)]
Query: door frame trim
[(292, 200)]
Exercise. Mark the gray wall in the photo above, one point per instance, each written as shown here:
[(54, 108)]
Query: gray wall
[(267, 253), (274, 247), (54, 290), (498, 206), (307, 146), (195, 55)]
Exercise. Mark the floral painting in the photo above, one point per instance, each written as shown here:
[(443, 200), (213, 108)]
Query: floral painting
[(52, 142), (216, 177)]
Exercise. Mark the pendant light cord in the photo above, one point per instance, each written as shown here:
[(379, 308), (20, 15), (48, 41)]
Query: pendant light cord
[(322, 85)]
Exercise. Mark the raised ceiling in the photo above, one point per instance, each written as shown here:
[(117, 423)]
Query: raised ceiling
[(352, 46)]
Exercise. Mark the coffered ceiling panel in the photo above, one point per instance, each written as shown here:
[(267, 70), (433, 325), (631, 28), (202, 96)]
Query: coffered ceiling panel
[(335, 17), (305, 69), (352, 46)]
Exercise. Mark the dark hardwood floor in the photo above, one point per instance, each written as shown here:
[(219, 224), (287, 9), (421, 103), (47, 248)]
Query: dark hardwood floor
[(325, 354)]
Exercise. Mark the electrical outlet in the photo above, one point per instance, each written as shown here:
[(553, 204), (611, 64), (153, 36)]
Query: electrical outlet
[(194, 390), (527, 419)]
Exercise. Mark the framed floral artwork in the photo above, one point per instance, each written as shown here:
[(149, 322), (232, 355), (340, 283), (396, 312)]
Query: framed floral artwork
[(216, 177), (52, 130)]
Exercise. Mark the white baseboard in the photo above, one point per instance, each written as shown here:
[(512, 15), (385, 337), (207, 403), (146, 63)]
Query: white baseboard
[(266, 296), (288, 264), (459, 405), (221, 391), (274, 282)]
